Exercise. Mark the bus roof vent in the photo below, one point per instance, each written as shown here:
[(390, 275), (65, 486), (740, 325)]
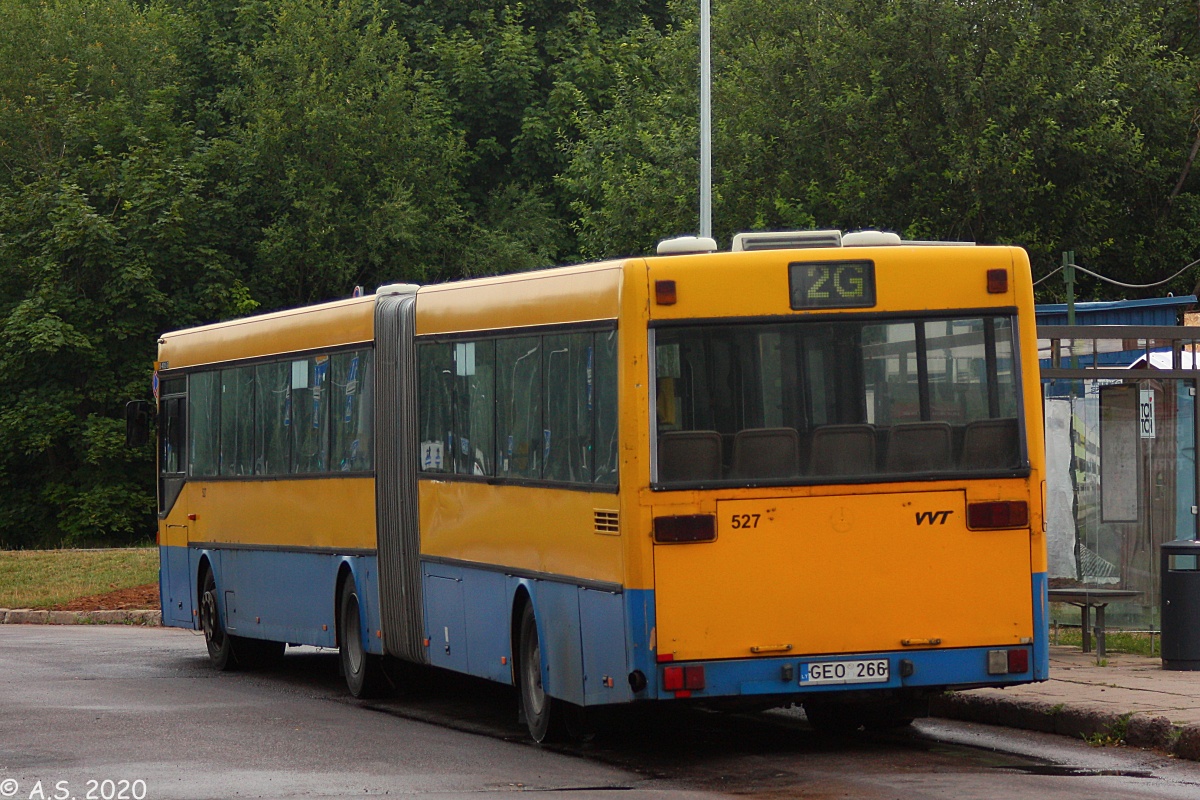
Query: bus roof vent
[(785, 240), (685, 245), (398, 288), (870, 239)]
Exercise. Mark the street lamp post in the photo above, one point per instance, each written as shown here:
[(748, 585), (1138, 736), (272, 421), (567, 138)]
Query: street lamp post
[(705, 123)]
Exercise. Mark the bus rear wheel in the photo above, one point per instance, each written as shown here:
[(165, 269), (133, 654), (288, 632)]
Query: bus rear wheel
[(543, 714), (363, 670), (220, 644)]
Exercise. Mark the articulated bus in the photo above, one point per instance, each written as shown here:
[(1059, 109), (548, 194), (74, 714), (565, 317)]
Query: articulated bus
[(805, 471)]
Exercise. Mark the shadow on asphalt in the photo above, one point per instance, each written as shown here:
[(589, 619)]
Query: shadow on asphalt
[(681, 742)]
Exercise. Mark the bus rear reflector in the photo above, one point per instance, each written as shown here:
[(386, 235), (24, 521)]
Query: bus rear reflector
[(1018, 661), (998, 514), (997, 281), (686, 528), (677, 679)]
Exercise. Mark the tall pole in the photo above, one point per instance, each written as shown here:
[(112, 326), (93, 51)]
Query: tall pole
[(1069, 280), (705, 123)]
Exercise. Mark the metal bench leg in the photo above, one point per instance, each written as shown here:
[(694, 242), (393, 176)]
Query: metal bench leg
[(1100, 652), (1087, 634)]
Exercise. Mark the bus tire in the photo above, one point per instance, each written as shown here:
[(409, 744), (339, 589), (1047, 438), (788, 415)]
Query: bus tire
[(363, 670), (220, 643), (543, 714)]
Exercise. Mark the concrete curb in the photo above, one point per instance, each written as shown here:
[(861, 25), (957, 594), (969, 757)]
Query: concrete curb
[(26, 616), (1100, 727)]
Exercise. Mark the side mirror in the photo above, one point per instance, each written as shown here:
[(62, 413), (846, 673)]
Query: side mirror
[(137, 423)]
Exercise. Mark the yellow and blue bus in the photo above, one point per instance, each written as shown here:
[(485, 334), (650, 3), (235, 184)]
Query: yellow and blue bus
[(808, 470)]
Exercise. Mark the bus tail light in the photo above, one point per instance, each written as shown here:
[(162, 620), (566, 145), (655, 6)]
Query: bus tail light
[(1008, 662), (997, 514), (683, 679), (685, 528)]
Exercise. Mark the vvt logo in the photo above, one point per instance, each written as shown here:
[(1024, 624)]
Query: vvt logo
[(933, 517)]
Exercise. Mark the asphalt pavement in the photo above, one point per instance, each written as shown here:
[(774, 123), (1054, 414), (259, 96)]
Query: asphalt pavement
[(1123, 700)]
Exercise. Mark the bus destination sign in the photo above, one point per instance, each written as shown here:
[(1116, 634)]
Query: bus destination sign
[(832, 284)]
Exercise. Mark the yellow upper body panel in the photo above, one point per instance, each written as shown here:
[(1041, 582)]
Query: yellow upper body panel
[(298, 329), (907, 278), (329, 513), (561, 296)]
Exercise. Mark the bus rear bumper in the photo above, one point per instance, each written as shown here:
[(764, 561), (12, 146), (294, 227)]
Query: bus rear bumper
[(860, 672)]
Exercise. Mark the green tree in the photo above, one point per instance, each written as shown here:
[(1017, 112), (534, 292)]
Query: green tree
[(1047, 125), (107, 231)]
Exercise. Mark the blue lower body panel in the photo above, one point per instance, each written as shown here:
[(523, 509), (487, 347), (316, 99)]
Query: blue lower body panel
[(471, 619), (283, 596)]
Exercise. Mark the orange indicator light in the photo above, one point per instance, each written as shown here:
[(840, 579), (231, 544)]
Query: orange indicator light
[(664, 293)]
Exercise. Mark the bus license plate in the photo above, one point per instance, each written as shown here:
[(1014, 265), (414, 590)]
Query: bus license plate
[(874, 670)]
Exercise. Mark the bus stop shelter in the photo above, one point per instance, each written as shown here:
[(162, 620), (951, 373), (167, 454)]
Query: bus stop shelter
[(1120, 413)]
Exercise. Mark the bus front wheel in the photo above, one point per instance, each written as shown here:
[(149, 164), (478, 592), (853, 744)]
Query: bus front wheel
[(543, 714), (220, 645), (363, 670)]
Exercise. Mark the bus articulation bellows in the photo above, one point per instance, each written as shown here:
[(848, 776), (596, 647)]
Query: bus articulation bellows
[(803, 471)]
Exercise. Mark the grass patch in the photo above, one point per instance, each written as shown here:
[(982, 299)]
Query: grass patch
[(44, 578), (1114, 641)]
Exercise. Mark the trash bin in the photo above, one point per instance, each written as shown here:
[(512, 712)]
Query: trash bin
[(1181, 605)]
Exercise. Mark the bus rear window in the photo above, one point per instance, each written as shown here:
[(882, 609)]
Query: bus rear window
[(832, 401)]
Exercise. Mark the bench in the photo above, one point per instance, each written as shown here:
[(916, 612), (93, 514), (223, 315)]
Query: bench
[(1087, 599)]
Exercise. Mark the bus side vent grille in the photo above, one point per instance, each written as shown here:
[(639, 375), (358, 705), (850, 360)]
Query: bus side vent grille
[(607, 521)]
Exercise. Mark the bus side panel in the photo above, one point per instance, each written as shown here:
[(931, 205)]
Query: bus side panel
[(602, 631), (1041, 627), (582, 631), (445, 617), (640, 634), (489, 643), (176, 587), (477, 643), (295, 605), (556, 606), (364, 571)]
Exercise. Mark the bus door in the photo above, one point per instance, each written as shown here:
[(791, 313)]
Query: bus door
[(174, 568)]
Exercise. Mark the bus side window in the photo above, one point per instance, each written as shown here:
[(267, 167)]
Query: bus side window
[(569, 406), (171, 426), (172, 460), (237, 421), (474, 407), (520, 436), (605, 372), (435, 365), (352, 389), (204, 416)]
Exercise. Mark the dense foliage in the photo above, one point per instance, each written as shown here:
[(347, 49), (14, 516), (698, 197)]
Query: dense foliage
[(172, 162)]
